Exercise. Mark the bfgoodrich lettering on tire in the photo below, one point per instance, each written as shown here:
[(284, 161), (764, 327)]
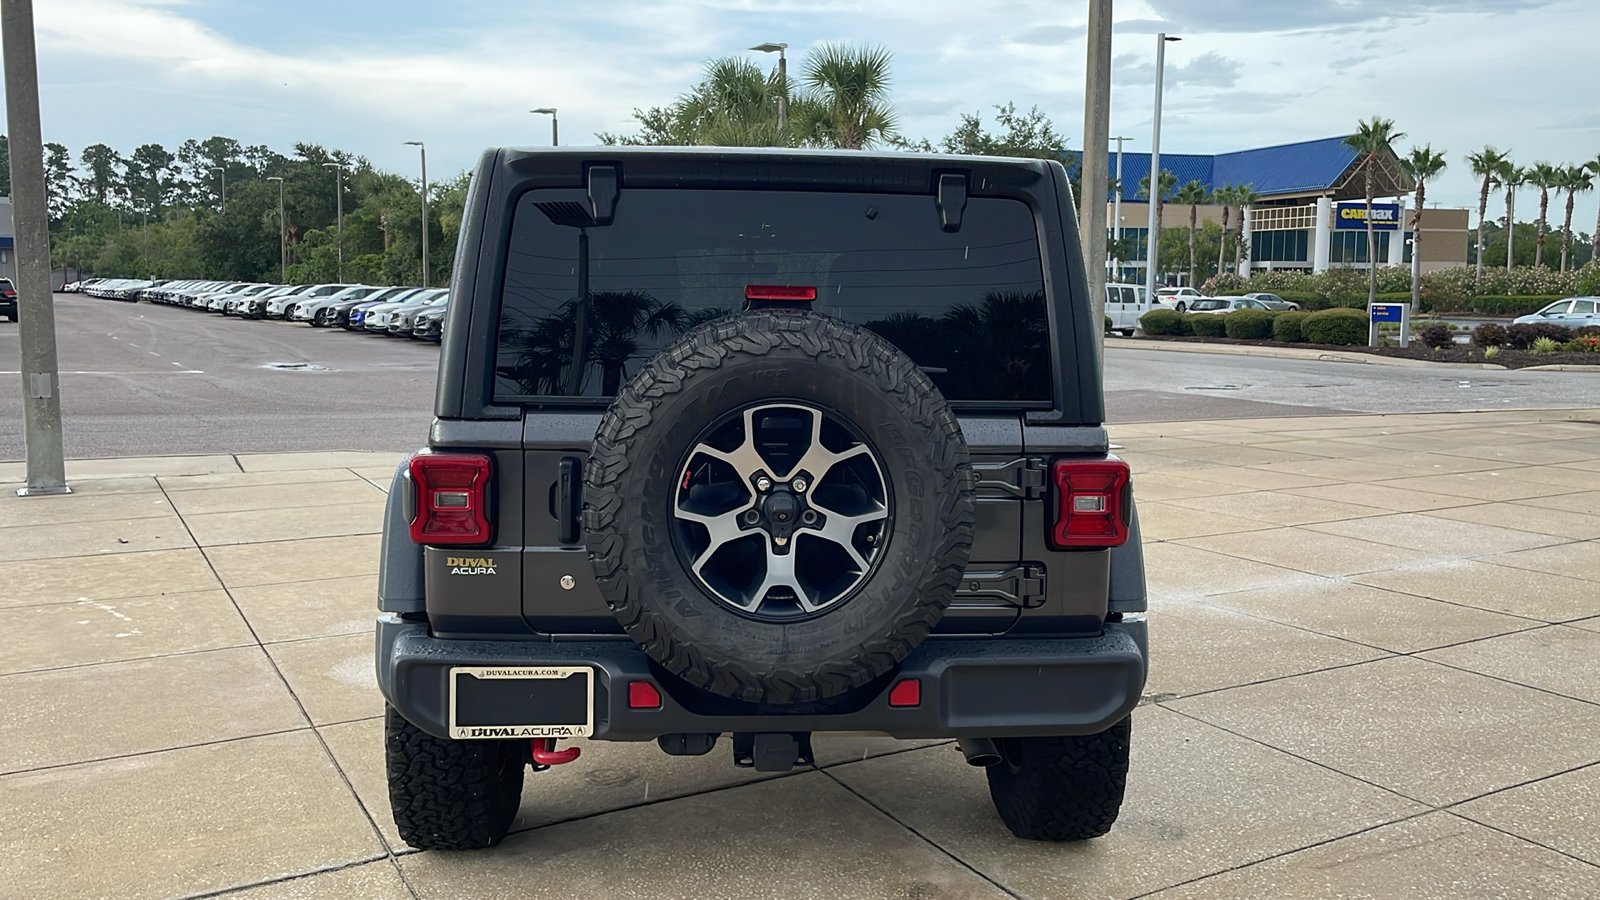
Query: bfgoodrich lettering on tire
[(778, 507)]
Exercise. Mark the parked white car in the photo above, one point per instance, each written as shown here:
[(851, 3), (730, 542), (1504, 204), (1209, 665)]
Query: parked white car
[(1178, 298), (1223, 305), (1573, 312), (1125, 303)]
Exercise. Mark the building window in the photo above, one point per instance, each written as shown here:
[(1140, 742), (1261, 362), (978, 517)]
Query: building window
[(1350, 247), (1278, 246), (1134, 238), (1406, 256)]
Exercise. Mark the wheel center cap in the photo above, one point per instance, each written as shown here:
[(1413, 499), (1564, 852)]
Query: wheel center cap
[(782, 511)]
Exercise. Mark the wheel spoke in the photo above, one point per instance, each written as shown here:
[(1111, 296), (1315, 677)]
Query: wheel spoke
[(841, 530), (780, 573), (722, 528)]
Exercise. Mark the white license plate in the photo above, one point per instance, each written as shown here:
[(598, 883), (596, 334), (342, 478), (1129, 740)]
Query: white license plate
[(495, 702)]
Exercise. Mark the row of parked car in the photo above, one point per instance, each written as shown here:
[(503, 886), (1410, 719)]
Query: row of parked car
[(1125, 303), (393, 310)]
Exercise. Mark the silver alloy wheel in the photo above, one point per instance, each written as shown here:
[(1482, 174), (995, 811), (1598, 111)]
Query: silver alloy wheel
[(781, 510)]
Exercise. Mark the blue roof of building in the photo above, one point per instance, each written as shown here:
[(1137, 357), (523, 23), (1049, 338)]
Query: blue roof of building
[(1284, 169)]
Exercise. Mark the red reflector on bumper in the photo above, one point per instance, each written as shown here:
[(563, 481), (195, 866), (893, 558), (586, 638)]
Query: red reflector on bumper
[(906, 693), (779, 292), (643, 695)]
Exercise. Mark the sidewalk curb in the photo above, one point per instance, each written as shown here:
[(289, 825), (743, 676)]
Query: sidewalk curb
[(1326, 356)]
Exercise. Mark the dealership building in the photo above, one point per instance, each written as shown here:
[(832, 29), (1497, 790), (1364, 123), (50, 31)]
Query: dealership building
[(1312, 212)]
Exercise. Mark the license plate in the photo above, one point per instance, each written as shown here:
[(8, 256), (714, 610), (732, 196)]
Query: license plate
[(492, 702)]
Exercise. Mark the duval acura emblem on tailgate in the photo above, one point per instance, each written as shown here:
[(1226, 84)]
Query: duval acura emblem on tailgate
[(544, 702)]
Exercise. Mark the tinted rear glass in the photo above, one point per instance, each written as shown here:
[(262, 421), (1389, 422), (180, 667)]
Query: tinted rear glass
[(966, 306)]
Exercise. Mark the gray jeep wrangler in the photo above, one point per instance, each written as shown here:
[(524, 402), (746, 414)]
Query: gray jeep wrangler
[(759, 444)]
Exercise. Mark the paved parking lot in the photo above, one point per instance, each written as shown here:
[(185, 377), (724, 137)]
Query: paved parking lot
[(1376, 652)]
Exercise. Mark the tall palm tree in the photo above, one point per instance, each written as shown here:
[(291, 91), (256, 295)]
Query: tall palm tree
[(1194, 193), (1372, 142), (1224, 196), (1593, 166), (849, 94), (1543, 176), (1420, 165), (1244, 197), (1576, 180), (1485, 164), (1169, 181), (1511, 177)]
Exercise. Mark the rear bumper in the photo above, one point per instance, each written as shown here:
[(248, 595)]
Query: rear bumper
[(970, 688)]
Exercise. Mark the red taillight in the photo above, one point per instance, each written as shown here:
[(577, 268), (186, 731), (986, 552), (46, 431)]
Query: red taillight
[(452, 498), (779, 292), (907, 692), (643, 695), (1091, 503)]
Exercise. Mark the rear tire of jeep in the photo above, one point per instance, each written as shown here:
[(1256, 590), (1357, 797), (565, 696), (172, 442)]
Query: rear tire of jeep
[(451, 795), (1061, 788), (828, 371)]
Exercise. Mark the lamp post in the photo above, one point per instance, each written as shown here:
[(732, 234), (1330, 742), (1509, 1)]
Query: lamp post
[(424, 151), (550, 111), (783, 79), (283, 234), (338, 196), (1116, 204), (1152, 240), (223, 206)]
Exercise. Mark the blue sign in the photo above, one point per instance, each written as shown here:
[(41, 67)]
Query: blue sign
[(1385, 216), (1387, 312)]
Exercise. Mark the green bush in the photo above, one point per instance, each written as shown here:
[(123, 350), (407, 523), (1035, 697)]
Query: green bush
[(1336, 326), (1108, 324), (1512, 306), (1163, 321), (1287, 327), (1248, 324), (1205, 324)]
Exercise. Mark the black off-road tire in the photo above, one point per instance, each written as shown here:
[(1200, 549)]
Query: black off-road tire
[(732, 364), (1061, 788), (451, 795)]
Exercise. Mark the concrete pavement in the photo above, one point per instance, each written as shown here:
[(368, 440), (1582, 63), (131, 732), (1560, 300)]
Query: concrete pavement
[(1376, 651)]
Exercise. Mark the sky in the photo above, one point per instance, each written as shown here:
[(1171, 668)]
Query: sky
[(366, 76)]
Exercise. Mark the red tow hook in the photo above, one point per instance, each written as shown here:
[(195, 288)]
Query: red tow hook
[(546, 754)]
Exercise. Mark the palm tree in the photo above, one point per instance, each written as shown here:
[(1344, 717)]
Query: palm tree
[(848, 105), (1544, 177), (1194, 193), (1372, 142), (1485, 165), (1420, 165), (1575, 180), (1512, 177), (1245, 196), (1169, 181), (1593, 166), (1224, 196)]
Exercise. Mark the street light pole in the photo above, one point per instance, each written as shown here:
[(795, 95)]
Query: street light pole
[(223, 206), (1092, 169), (424, 151), (783, 79), (283, 234), (1152, 239), (36, 325), (555, 137), (338, 194)]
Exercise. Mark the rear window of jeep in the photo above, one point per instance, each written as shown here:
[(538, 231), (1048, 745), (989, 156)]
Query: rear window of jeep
[(967, 306)]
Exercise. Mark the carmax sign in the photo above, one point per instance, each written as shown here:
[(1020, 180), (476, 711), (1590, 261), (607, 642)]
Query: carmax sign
[(1385, 216)]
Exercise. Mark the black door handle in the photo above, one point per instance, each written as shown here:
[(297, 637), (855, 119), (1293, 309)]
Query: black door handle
[(569, 499)]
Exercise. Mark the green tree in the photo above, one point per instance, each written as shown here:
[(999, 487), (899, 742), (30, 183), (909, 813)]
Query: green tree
[(1486, 165), (1245, 197), (1574, 180), (848, 97), (1421, 165), (1169, 182), (1029, 135), (735, 105), (101, 163), (1372, 142), (1543, 176), (1225, 197), (60, 181), (1593, 166), (1192, 194), (1511, 177)]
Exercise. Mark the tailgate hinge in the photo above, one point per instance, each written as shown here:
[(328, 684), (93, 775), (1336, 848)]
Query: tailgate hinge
[(1022, 586), (1024, 477)]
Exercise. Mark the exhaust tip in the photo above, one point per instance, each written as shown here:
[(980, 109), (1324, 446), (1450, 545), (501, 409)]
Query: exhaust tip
[(981, 753)]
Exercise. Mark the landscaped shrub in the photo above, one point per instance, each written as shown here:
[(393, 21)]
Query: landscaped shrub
[(1583, 343), (1521, 336), (1205, 324), (1489, 334), (1287, 326), (1512, 306), (1108, 324), (1163, 321), (1248, 325), (1435, 335), (1336, 326), (1543, 346), (1589, 329)]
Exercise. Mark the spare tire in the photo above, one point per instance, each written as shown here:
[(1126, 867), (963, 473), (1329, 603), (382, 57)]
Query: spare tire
[(778, 507)]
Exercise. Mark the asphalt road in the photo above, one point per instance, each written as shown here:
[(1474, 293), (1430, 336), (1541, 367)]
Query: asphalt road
[(139, 379)]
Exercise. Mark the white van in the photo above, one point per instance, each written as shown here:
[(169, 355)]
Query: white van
[(1125, 303)]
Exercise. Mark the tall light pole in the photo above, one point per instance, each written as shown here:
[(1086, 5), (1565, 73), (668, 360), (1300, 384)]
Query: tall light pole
[(41, 381), (555, 136), (1116, 202), (338, 196), (223, 206), (1092, 169), (783, 79), (1152, 240), (283, 233), (424, 151)]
